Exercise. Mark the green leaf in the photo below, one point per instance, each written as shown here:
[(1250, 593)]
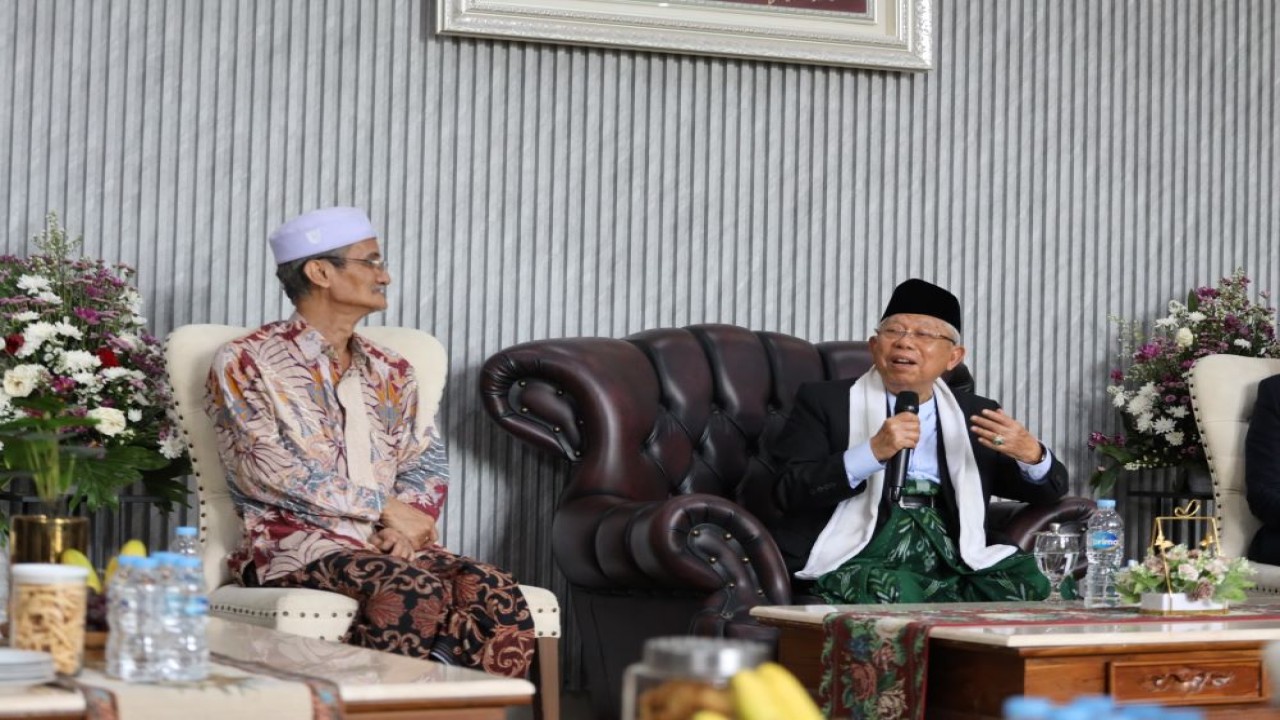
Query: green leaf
[(1193, 300)]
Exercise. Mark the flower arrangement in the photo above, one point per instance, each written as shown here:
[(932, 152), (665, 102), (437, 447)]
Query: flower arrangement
[(1200, 575), (1151, 393), (84, 408)]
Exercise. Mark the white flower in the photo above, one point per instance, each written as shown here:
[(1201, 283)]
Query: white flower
[(33, 284), (1140, 404), (1173, 438), (111, 421), (1187, 571), (134, 300), (1178, 412), (66, 329), (20, 380), (1162, 426), (35, 335), (1242, 343), (77, 361), (172, 447), (1143, 422), (1165, 322), (1184, 338), (134, 415), (87, 379), (1196, 317), (26, 316), (114, 373), (1119, 400), (49, 297)]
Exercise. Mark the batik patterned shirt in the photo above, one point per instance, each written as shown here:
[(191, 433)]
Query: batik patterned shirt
[(276, 399)]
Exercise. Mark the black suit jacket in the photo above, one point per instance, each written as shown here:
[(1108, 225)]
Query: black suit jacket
[(1262, 471), (811, 480)]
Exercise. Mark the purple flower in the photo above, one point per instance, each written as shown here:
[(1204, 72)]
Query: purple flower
[(88, 315), (1206, 293), (1150, 351), (1117, 376)]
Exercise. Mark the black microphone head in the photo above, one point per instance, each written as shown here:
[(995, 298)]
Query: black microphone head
[(908, 401)]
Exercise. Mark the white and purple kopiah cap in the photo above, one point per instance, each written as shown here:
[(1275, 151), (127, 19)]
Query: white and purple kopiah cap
[(320, 230)]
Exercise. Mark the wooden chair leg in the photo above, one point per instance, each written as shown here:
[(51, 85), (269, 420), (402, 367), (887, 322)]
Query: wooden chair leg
[(547, 667)]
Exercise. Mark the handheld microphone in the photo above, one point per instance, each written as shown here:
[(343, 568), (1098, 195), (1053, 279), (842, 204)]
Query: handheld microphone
[(907, 401)]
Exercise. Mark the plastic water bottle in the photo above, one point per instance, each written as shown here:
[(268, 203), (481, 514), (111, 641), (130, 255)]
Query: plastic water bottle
[(132, 600), (191, 642), (147, 646), (168, 614), (1104, 548), (122, 619), (185, 541)]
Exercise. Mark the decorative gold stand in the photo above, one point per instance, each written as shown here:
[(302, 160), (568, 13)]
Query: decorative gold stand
[(1170, 603)]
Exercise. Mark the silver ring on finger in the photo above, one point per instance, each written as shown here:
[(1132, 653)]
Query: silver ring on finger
[(997, 440)]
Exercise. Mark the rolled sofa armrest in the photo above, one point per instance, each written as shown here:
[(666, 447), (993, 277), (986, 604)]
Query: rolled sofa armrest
[(698, 543), (1020, 521), (592, 401)]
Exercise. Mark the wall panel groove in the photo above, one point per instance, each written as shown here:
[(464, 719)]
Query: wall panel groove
[(1062, 162)]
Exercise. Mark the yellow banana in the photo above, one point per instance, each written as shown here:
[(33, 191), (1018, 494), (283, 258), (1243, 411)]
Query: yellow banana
[(789, 695), (753, 699), (709, 715), (111, 570), (72, 556), (135, 547)]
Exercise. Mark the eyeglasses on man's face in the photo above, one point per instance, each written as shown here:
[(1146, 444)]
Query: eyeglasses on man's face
[(379, 265), (894, 334)]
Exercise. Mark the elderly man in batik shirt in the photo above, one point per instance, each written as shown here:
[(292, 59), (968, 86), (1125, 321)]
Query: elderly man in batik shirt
[(339, 480)]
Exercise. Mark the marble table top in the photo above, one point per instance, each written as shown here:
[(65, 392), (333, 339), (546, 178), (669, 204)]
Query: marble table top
[(361, 675), (1012, 624)]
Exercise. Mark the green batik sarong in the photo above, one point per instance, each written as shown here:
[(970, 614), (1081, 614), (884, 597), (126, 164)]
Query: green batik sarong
[(913, 559)]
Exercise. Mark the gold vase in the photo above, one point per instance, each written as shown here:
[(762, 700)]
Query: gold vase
[(42, 538)]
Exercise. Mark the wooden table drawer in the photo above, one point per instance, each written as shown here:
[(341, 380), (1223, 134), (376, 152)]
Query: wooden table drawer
[(1199, 682)]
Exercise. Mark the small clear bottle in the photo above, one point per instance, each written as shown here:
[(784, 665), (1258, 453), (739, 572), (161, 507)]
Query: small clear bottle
[(186, 541), (698, 668)]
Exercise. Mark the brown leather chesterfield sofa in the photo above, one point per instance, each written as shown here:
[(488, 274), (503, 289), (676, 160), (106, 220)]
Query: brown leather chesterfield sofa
[(661, 527)]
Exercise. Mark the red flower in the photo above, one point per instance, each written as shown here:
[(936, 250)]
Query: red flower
[(13, 343), (108, 357)]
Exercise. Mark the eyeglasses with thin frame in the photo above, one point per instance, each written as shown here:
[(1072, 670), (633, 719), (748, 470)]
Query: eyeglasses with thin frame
[(376, 265), (894, 334)]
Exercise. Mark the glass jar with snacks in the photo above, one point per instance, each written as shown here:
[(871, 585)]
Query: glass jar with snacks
[(681, 676), (47, 610)]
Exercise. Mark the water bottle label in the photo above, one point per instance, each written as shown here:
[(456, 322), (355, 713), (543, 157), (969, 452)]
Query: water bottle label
[(1103, 540)]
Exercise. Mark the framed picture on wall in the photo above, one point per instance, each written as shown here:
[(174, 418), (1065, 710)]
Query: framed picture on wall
[(894, 34)]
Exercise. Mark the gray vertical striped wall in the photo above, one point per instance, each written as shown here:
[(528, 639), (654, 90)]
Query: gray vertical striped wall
[(1062, 162)]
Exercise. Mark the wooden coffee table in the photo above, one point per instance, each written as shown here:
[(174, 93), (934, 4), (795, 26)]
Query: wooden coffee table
[(1215, 664), (373, 685)]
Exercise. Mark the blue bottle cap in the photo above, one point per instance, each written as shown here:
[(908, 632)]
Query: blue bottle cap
[(1020, 707), (185, 531), (1106, 504)]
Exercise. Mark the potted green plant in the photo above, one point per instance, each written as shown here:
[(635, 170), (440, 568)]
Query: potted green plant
[(84, 406), (1150, 390)]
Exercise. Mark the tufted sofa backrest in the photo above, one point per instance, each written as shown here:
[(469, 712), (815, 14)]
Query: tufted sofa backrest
[(666, 411)]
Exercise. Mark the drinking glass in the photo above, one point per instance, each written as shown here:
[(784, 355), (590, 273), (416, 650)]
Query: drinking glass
[(1056, 554)]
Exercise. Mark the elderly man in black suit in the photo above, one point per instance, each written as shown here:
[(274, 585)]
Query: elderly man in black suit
[(840, 529)]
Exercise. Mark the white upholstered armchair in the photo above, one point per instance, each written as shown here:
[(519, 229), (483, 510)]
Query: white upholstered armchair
[(189, 352), (1223, 388)]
